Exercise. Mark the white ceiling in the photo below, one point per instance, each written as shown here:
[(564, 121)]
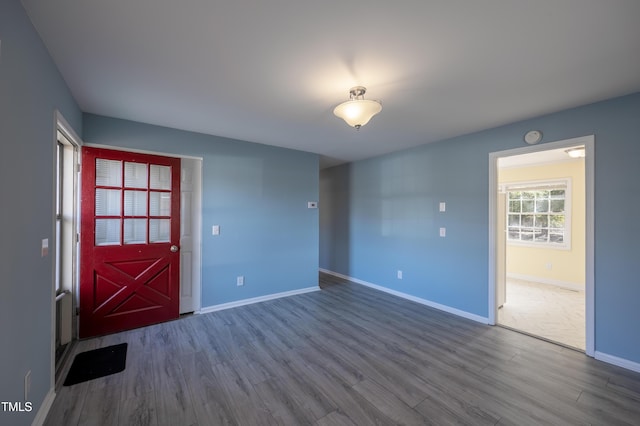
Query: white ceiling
[(272, 71)]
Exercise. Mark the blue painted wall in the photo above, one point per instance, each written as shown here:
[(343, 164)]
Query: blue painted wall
[(30, 90), (381, 215), (258, 195)]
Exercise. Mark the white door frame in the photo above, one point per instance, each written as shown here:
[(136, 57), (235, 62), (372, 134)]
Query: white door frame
[(589, 143), (61, 125), (197, 216)]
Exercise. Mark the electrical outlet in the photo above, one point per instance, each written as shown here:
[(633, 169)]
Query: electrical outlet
[(443, 232), (549, 266), (215, 230), (399, 274), (443, 206), (27, 385), (240, 281)]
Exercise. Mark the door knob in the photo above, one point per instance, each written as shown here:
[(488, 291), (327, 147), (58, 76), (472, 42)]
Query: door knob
[(174, 248)]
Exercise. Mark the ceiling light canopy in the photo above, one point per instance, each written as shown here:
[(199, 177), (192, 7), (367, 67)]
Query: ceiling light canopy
[(576, 152), (357, 111)]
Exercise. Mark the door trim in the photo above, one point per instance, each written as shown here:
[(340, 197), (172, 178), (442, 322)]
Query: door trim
[(197, 213), (589, 143), (141, 151), (62, 125)]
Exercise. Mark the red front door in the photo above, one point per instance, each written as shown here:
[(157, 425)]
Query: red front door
[(130, 233)]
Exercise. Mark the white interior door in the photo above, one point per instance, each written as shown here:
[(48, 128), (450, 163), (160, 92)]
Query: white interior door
[(190, 231)]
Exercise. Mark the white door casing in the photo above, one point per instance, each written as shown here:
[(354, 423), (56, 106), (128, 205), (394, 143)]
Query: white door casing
[(67, 245), (589, 143), (501, 249)]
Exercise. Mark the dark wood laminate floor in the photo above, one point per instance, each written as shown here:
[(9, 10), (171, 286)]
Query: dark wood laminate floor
[(346, 355)]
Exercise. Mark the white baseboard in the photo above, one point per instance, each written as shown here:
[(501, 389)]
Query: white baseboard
[(563, 284), (43, 411), (426, 302), (620, 362), (259, 299)]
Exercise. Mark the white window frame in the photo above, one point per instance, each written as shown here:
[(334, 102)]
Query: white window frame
[(541, 185)]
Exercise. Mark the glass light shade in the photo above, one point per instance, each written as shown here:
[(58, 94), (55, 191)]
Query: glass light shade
[(576, 152), (356, 113)]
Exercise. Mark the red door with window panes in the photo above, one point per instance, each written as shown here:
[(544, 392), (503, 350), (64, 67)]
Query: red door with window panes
[(130, 233)]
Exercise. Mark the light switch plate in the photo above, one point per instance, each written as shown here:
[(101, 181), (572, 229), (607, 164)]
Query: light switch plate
[(443, 206), (443, 232), (45, 247), (215, 230), (312, 205)]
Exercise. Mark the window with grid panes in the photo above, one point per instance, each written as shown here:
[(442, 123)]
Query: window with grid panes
[(537, 215)]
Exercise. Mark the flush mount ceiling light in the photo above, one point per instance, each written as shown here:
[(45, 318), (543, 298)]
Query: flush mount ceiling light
[(577, 152), (357, 111)]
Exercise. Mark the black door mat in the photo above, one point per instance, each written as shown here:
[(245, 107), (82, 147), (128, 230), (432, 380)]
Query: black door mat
[(97, 363)]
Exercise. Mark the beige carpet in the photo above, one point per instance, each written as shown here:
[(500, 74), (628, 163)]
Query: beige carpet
[(547, 311)]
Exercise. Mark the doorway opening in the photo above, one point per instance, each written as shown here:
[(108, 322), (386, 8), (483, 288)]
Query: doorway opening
[(544, 285), (541, 234)]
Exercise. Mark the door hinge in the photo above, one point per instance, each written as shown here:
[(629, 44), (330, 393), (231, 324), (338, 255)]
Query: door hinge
[(77, 237), (77, 311), (78, 168)]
